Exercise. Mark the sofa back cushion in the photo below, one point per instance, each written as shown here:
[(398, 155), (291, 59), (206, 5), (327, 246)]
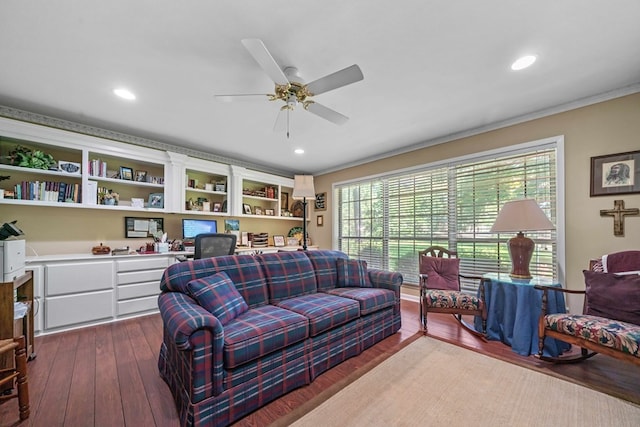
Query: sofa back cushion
[(218, 295), (288, 274), (244, 270), (612, 296), (353, 273), (326, 268)]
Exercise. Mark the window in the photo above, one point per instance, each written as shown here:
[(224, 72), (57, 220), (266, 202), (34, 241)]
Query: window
[(387, 219)]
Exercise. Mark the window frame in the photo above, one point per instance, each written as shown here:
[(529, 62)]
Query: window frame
[(555, 142)]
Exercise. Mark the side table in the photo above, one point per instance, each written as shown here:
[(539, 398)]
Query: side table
[(513, 310)]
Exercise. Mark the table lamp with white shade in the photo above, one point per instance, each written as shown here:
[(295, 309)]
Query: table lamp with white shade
[(303, 189), (519, 216)]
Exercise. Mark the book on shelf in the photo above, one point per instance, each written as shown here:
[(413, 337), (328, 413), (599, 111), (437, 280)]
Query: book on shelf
[(47, 191)]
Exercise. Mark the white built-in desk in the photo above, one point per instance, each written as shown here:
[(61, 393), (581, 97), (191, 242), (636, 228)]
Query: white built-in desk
[(271, 249)]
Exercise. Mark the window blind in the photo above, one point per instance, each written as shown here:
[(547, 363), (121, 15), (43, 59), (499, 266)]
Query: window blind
[(386, 220)]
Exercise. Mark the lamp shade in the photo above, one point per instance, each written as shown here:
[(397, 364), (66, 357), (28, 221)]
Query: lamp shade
[(303, 187), (521, 215)]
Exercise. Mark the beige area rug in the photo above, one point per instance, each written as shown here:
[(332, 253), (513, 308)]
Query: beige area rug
[(433, 383)]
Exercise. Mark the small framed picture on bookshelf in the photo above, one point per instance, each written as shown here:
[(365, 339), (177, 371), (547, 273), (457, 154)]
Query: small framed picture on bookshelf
[(141, 176), (278, 241), (217, 207), (246, 209), (126, 173), (156, 200), (257, 210)]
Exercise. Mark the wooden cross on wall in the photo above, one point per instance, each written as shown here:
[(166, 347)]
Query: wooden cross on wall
[(618, 213)]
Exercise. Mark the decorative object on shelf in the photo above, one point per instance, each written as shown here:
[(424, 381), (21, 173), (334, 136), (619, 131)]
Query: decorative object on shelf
[(208, 186), (206, 206), (217, 207), (295, 233), (297, 209), (100, 250), (284, 201), (618, 213), (278, 240), (27, 158), (303, 189), (126, 173), (246, 208), (257, 210), (141, 176), (224, 206), (615, 174), (321, 201), (109, 197), (69, 167), (137, 202), (221, 187), (156, 200), (269, 212), (320, 220), (143, 227), (521, 215)]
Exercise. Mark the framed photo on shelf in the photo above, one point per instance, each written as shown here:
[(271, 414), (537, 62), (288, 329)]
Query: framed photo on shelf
[(257, 210), (217, 207), (284, 201), (278, 241), (156, 200), (615, 174), (269, 212), (126, 173), (141, 176), (246, 208)]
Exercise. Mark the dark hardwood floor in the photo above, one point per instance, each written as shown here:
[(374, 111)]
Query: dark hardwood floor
[(107, 375)]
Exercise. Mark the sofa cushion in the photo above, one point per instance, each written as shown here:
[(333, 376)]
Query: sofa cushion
[(613, 296), (369, 299), (323, 311), (325, 266), (261, 331), (353, 272), (288, 274), (442, 273), (218, 295), (244, 270)]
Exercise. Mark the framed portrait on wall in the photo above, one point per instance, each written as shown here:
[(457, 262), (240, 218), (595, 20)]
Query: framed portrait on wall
[(615, 174)]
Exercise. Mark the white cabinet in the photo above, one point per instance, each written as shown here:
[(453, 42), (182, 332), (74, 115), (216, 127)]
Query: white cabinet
[(77, 293), (79, 290), (138, 284), (258, 194)]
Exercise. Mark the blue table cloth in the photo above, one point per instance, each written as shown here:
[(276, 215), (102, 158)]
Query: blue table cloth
[(513, 311)]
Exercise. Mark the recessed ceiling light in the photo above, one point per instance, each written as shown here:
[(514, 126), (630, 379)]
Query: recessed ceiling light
[(299, 151), (523, 62), (125, 94)]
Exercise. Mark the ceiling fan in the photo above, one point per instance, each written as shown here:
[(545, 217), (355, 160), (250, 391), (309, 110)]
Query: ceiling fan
[(290, 89)]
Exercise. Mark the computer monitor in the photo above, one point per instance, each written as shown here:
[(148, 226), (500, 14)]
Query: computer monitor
[(192, 227)]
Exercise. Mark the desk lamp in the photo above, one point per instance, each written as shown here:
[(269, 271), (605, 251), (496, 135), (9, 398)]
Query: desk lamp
[(303, 189), (521, 215)]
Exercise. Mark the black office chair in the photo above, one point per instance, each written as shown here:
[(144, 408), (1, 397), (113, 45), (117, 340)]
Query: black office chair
[(214, 244)]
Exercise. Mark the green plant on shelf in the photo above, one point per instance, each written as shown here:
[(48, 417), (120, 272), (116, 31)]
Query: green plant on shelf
[(28, 158)]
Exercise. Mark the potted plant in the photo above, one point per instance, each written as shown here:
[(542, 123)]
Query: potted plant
[(28, 158)]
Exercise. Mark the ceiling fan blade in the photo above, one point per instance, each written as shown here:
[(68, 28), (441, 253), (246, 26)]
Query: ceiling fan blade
[(241, 97), (327, 113), (259, 51), (338, 79)]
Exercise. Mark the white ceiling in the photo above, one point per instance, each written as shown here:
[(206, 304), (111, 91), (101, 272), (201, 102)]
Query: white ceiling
[(432, 69)]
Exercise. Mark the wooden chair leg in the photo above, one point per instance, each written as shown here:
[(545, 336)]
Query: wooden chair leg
[(22, 379)]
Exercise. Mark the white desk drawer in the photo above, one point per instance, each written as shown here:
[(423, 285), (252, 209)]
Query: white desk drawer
[(137, 305), (150, 263), (140, 276), (138, 290)]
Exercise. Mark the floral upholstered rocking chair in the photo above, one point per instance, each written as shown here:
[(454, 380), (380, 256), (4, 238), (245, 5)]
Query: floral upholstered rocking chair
[(440, 289)]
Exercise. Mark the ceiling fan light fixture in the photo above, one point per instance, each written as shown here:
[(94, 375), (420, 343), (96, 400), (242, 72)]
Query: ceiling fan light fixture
[(125, 94), (523, 62)]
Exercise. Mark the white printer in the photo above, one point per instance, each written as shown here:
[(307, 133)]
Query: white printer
[(12, 259)]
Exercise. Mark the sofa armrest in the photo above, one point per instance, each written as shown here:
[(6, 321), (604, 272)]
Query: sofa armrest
[(386, 279), (182, 316)]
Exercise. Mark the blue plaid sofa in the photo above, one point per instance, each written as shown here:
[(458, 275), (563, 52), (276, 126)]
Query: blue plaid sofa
[(242, 330)]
